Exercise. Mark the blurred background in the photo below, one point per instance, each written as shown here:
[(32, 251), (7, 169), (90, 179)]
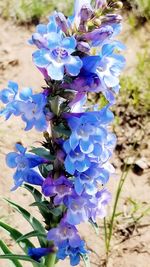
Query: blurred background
[(131, 238)]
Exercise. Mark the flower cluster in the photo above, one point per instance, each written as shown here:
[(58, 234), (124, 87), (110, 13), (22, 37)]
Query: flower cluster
[(76, 55), (31, 107)]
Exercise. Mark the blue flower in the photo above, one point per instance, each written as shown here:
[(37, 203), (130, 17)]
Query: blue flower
[(99, 201), (89, 180), (64, 234), (24, 164), (32, 108), (59, 188), (9, 97), (73, 253), (55, 54), (37, 253), (90, 140), (77, 209), (107, 67)]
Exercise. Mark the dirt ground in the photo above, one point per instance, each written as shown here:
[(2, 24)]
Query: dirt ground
[(130, 247)]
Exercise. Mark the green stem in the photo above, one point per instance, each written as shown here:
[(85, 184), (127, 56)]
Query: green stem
[(50, 260), (119, 189)]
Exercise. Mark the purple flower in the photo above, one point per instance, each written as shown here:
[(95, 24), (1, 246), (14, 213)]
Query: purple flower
[(77, 209), (64, 234), (24, 164), (100, 200), (97, 37), (59, 188)]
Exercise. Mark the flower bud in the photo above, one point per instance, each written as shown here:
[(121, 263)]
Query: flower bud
[(112, 18), (101, 3), (83, 47), (85, 13), (61, 21), (117, 5)]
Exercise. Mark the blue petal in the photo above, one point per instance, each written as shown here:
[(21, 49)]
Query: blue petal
[(26, 93), (20, 148), (67, 146), (82, 166), (41, 124), (73, 66), (34, 160), (111, 81), (70, 167), (86, 146), (56, 71), (74, 259), (41, 28), (73, 140), (78, 186), (54, 40), (32, 177), (69, 43), (91, 63), (4, 95), (39, 58), (13, 86), (11, 159)]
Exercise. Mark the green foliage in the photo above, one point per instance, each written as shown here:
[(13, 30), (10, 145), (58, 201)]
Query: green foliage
[(135, 88), (6, 250), (36, 225), (141, 8), (15, 235), (13, 257), (28, 11)]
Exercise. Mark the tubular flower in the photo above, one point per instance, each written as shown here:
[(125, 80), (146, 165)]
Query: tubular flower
[(24, 164)]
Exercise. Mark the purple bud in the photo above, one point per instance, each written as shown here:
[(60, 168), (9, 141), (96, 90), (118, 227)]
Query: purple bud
[(83, 47), (99, 35), (62, 21), (112, 18), (85, 13), (101, 3)]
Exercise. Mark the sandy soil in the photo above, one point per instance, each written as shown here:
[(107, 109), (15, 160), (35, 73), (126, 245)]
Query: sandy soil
[(128, 249)]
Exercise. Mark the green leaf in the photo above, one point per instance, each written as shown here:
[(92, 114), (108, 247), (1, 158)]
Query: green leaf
[(45, 169), (15, 234), (43, 152), (29, 235), (21, 257), (38, 199), (62, 130), (6, 250), (37, 226)]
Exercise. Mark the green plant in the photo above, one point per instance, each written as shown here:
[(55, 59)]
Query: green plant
[(28, 11), (135, 88)]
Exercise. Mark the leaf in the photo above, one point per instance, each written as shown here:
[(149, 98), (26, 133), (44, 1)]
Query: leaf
[(37, 226), (45, 169), (29, 235), (43, 152), (38, 199), (6, 250), (21, 257), (62, 130), (86, 260), (15, 234)]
